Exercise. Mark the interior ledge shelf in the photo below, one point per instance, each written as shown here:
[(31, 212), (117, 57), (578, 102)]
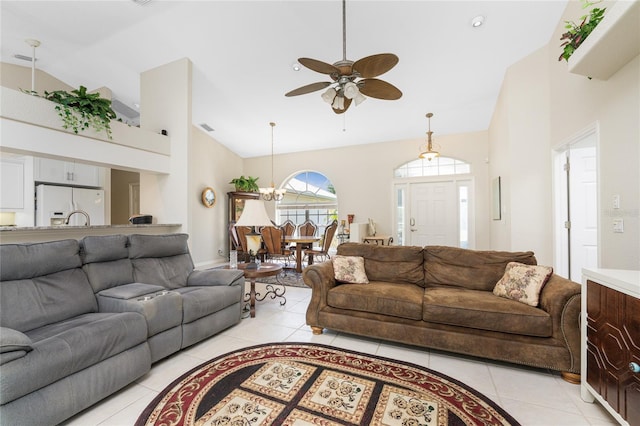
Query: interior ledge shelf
[(612, 44)]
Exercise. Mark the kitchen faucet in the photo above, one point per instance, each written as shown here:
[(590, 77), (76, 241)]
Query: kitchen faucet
[(86, 215)]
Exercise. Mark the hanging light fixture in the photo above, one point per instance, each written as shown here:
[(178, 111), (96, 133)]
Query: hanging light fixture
[(427, 152), (272, 193)]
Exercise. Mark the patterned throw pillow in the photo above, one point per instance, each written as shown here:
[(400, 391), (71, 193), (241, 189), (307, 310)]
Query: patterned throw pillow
[(523, 282), (349, 269)]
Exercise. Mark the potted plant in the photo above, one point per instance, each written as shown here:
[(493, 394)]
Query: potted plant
[(80, 110), (576, 34), (246, 184)]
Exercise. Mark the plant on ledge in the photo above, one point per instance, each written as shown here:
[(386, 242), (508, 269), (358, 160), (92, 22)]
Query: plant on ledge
[(80, 110), (246, 184), (576, 34)]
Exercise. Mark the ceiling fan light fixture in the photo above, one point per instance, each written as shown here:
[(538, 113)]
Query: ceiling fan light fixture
[(338, 103), (350, 90), (360, 98), (329, 95)]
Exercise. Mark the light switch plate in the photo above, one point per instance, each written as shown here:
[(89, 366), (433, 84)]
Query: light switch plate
[(618, 225), (616, 201)]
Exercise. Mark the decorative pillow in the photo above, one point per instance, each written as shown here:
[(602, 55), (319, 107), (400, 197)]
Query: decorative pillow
[(349, 269), (523, 283)]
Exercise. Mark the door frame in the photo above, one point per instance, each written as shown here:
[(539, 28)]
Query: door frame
[(458, 180), (561, 241)]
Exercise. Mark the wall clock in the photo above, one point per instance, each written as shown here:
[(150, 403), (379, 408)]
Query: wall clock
[(208, 197)]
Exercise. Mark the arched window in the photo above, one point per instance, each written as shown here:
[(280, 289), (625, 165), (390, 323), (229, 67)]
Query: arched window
[(310, 196), (439, 166)]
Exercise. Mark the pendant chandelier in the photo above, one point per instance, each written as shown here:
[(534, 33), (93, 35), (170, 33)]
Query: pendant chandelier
[(272, 193), (426, 151)]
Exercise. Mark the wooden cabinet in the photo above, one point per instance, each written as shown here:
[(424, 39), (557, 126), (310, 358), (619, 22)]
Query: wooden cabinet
[(12, 184), (235, 206), (611, 342), (67, 172)]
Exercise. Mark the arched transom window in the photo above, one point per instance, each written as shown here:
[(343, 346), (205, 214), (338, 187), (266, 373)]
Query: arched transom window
[(310, 196), (439, 166)]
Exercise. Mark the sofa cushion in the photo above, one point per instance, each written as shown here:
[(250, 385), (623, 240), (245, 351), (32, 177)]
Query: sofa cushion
[(349, 269), (31, 303), (397, 264), (67, 347), (13, 345), (24, 261), (104, 248), (378, 297), (167, 245), (199, 302), (169, 272), (523, 283), (472, 269), (483, 310)]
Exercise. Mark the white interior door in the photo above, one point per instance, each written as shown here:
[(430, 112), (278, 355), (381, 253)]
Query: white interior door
[(433, 218), (584, 210), (576, 212)]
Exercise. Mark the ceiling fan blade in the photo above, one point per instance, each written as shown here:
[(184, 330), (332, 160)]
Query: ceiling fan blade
[(379, 89), (308, 88), (318, 66), (347, 102), (375, 65)]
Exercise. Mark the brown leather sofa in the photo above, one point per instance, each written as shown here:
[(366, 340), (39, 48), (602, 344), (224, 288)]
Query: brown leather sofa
[(442, 298)]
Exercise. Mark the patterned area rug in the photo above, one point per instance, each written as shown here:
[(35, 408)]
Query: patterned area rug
[(301, 384), (287, 277)]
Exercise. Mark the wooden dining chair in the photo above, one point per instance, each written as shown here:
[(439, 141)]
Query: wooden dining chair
[(323, 251), (288, 228), (307, 229), (273, 237)]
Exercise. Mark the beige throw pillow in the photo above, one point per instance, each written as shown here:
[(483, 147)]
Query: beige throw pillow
[(523, 282), (349, 269)]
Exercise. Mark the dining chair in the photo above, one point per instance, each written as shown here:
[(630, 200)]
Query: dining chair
[(273, 237), (288, 229), (241, 235), (307, 229), (323, 251)]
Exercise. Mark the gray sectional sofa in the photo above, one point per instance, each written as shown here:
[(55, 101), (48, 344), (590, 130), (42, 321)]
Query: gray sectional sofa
[(82, 319)]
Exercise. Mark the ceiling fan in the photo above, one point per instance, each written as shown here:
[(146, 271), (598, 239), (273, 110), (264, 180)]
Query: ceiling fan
[(351, 80)]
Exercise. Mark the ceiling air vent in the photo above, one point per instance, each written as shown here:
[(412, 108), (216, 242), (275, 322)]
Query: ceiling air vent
[(206, 127)]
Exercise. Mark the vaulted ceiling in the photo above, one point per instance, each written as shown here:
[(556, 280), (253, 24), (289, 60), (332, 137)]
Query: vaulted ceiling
[(243, 54)]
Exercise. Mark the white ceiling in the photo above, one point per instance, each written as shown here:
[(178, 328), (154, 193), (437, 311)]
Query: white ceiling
[(243, 51)]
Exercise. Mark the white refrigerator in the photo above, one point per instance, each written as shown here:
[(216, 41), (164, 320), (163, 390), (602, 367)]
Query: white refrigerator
[(54, 203)]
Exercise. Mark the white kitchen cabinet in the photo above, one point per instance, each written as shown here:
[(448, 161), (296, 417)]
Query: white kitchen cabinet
[(67, 172), (12, 184)]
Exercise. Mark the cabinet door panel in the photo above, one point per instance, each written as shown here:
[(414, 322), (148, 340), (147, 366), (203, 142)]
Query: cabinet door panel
[(613, 341), (12, 181)]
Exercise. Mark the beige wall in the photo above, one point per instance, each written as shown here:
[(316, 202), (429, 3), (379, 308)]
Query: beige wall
[(542, 106), (120, 181), (211, 164), (17, 77), (363, 175)]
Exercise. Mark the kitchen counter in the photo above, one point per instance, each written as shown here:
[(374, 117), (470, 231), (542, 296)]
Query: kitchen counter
[(29, 234)]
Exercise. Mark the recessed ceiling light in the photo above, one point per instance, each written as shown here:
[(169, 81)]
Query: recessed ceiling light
[(296, 66), (477, 21)]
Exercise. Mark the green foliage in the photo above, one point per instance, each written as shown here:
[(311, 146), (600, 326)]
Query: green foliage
[(246, 184), (576, 34), (80, 110)]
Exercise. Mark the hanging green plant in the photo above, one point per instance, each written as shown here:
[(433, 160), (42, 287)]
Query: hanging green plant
[(576, 34), (80, 110)]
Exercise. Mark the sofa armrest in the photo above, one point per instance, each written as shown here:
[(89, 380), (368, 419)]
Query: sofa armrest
[(13, 345), (560, 298), (215, 277), (320, 277)]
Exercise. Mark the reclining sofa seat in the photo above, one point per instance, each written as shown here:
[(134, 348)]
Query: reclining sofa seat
[(58, 353), (154, 275)]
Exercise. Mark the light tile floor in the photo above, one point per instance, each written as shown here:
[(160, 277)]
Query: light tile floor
[(531, 396)]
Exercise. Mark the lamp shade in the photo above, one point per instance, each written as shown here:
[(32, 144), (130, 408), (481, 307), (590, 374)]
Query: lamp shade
[(254, 214)]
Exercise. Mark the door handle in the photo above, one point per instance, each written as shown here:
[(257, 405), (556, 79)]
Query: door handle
[(412, 222), (413, 230)]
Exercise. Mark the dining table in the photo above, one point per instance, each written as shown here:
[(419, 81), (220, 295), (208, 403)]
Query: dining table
[(301, 243)]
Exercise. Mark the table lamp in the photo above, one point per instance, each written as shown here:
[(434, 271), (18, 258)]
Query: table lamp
[(253, 215)]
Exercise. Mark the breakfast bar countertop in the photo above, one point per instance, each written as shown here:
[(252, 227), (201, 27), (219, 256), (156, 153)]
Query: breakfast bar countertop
[(36, 234)]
